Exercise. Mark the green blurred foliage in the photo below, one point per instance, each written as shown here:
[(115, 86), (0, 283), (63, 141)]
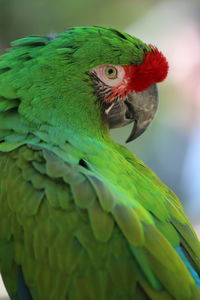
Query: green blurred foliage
[(27, 17)]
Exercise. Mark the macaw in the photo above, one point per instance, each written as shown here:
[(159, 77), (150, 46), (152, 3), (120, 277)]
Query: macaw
[(82, 218)]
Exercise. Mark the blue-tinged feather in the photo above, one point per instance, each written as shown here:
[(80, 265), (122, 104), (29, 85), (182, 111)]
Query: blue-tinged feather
[(192, 271), (22, 290)]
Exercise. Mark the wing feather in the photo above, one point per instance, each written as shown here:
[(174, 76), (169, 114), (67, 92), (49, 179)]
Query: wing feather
[(62, 218)]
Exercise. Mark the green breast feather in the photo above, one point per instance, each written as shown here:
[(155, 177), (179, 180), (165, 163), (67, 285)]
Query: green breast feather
[(81, 218)]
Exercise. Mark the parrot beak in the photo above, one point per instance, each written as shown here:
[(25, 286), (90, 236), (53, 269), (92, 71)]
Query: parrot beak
[(139, 108)]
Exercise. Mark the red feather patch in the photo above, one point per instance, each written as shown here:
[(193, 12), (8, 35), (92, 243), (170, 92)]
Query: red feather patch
[(154, 68)]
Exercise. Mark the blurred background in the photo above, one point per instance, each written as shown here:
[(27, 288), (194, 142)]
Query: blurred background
[(171, 146)]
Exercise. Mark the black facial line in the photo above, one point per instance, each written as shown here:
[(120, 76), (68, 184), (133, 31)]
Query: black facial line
[(102, 90)]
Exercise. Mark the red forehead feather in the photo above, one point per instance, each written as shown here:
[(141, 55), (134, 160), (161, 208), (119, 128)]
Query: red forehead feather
[(154, 68)]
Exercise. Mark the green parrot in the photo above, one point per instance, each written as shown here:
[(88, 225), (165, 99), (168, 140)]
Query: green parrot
[(81, 218)]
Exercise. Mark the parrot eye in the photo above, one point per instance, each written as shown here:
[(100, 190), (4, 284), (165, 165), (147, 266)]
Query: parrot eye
[(110, 75), (111, 72)]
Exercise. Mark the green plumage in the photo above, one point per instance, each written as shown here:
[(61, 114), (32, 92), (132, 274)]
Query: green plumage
[(81, 216)]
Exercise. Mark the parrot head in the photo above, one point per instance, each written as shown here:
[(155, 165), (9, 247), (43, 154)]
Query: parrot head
[(124, 72), (88, 78), (128, 93)]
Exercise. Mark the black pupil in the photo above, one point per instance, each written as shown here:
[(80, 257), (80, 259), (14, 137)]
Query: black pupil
[(110, 71)]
